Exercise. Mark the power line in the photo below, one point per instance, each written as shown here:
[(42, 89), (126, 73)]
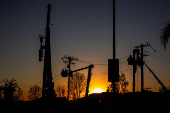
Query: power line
[(31, 85), (123, 62), (158, 58), (163, 55), (123, 58), (39, 82), (90, 63), (98, 64), (56, 65), (56, 78), (126, 70), (120, 71), (102, 61), (98, 61), (84, 62), (155, 51)]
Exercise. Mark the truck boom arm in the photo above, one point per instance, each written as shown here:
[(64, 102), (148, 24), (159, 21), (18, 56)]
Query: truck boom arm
[(88, 78), (90, 66), (162, 85)]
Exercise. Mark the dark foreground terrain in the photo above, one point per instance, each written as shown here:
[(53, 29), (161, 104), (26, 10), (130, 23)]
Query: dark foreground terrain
[(97, 103)]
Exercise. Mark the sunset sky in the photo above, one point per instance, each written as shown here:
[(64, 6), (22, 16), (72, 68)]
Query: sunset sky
[(82, 29)]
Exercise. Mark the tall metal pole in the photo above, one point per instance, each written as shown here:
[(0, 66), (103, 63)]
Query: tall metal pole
[(48, 85), (114, 53), (142, 80)]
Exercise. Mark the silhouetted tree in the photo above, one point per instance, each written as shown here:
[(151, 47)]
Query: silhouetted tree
[(18, 94), (1, 92), (165, 35), (34, 92), (9, 88), (77, 85), (60, 90), (121, 86), (123, 83)]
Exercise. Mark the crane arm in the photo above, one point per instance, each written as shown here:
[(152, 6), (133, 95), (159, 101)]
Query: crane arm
[(162, 85)]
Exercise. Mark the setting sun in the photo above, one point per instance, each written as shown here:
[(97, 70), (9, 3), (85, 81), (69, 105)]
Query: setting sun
[(97, 90)]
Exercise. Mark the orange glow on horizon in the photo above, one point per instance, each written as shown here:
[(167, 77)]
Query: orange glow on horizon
[(97, 90)]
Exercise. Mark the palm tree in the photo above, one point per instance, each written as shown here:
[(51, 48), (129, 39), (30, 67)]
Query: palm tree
[(165, 35), (9, 88)]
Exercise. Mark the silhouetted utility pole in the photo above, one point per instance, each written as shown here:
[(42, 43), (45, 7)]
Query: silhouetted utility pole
[(48, 85), (114, 45), (113, 64), (142, 79), (69, 62), (134, 69), (141, 63), (134, 61)]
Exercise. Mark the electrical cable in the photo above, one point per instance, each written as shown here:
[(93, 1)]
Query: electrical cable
[(100, 61), (163, 55), (56, 65), (158, 58), (56, 76), (123, 62), (97, 61), (103, 60), (155, 51), (126, 70), (55, 80), (84, 62), (31, 85), (39, 82), (98, 64), (123, 58)]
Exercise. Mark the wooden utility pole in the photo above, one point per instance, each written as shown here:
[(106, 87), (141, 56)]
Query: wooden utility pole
[(142, 78), (134, 69), (141, 64), (70, 59)]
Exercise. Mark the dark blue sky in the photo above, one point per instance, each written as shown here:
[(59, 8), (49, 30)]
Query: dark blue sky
[(83, 29)]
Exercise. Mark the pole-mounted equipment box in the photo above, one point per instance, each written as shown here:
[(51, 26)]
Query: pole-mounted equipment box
[(113, 70)]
